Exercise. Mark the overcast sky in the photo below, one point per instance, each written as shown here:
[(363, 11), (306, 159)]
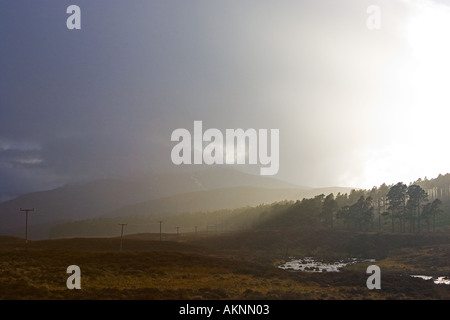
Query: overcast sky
[(355, 107)]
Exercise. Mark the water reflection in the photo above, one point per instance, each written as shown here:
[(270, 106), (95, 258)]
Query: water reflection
[(436, 280), (310, 264)]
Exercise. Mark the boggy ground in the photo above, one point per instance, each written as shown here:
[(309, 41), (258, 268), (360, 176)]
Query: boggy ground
[(223, 267)]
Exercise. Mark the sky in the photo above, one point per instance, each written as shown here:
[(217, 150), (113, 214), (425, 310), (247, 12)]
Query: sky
[(354, 106)]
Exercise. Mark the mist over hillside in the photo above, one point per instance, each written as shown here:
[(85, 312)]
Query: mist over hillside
[(283, 210), (204, 209), (214, 199), (97, 198)]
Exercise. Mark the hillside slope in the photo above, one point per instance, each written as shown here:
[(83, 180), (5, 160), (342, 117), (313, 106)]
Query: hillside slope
[(96, 198)]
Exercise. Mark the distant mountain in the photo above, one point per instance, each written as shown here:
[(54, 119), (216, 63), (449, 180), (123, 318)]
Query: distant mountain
[(94, 199), (208, 179)]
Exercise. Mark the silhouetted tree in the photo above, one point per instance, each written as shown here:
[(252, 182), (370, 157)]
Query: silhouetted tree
[(397, 202), (343, 214), (430, 210), (359, 214), (416, 197), (381, 197), (367, 213), (342, 200), (314, 208), (355, 195), (329, 208)]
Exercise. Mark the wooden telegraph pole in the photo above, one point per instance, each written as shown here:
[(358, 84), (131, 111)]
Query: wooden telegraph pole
[(26, 224), (160, 230), (121, 234)]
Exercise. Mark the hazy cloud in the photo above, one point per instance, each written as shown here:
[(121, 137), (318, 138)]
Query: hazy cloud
[(104, 100)]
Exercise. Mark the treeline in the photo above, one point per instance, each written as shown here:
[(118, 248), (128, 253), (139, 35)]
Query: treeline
[(436, 188), (396, 208), (408, 209), (424, 205)]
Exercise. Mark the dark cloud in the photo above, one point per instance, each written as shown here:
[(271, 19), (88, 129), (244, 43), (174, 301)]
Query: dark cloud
[(104, 100)]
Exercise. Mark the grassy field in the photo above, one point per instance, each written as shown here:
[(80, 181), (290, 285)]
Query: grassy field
[(222, 267)]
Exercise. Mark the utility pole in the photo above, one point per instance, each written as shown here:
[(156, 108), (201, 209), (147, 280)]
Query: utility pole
[(178, 232), (26, 223), (160, 230), (121, 234)]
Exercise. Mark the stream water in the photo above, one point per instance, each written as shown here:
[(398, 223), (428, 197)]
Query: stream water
[(436, 280), (310, 264)]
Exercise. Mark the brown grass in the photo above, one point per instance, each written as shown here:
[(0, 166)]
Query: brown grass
[(206, 268)]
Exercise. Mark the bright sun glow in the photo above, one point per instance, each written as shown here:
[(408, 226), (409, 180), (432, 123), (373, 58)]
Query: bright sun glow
[(416, 109)]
